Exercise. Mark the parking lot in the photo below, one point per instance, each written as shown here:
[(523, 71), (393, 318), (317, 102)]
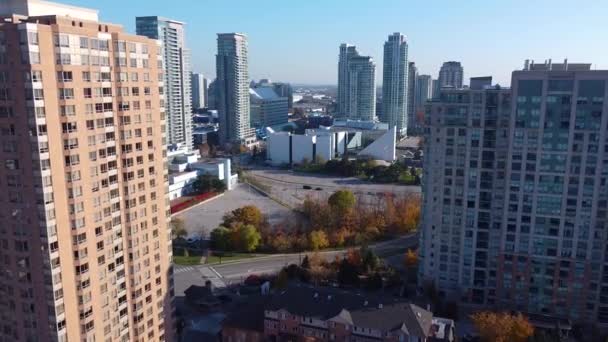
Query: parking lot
[(200, 220), (293, 188)]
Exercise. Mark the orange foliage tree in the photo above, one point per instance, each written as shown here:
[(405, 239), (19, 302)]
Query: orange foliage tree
[(502, 327)]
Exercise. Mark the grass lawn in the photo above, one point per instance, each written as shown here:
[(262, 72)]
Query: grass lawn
[(214, 259), (186, 260)]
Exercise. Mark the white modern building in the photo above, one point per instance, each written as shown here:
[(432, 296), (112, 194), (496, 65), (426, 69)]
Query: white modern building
[(327, 143), (451, 75), (199, 91), (267, 107), (176, 69), (233, 88), (394, 85), (185, 167), (346, 52)]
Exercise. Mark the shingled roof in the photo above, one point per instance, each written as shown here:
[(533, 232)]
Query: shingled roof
[(377, 312)]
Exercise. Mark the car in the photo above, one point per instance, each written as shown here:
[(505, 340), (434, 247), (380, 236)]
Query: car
[(306, 187), (318, 189)]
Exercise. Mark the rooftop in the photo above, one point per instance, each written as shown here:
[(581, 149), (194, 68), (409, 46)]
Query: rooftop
[(35, 8)]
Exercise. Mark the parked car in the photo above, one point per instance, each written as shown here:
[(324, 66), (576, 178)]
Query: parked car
[(306, 187), (318, 189)]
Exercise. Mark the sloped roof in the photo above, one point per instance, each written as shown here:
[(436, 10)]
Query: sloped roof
[(365, 311)]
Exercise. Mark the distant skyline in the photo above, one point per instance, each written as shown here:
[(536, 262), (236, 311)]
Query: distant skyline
[(299, 42)]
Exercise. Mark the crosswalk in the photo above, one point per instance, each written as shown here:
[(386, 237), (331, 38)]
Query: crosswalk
[(207, 272)]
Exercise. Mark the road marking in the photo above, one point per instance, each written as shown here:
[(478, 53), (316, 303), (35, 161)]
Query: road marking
[(214, 271)]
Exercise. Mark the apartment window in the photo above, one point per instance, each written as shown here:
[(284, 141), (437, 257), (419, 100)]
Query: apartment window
[(28, 38), (89, 109), (135, 91), (147, 91), (122, 76), (30, 57), (72, 160), (5, 94), (63, 59), (121, 61), (84, 42), (134, 77), (86, 76), (69, 144), (62, 40), (64, 76), (133, 62), (69, 110), (65, 93), (69, 127)]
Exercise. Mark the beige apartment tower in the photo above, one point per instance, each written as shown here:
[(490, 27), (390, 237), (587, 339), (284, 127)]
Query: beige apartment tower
[(85, 249)]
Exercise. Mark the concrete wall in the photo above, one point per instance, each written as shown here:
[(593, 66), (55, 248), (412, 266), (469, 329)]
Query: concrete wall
[(302, 147), (278, 148), (325, 147)]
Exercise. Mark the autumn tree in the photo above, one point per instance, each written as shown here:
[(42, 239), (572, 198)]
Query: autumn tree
[(342, 201), (178, 228), (245, 238), (248, 215), (502, 327), (410, 259), (318, 240), (220, 238)]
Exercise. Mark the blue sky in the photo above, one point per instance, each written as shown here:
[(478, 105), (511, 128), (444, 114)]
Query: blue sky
[(298, 41)]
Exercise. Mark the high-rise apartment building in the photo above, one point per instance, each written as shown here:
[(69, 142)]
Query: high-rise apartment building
[(176, 66), (515, 193), (85, 245), (412, 76), (346, 52), (424, 91), (356, 85), (199, 90), (233, 88), (450, 75), (361, 88), (394, 84)]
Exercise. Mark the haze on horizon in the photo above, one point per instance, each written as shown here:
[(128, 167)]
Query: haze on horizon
[(298, 42)]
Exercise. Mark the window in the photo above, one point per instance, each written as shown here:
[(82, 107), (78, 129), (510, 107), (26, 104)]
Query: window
[(62, 40), (63, 59), (33, 76), (66, 93), (68, 110), (64, 76), (86, 76), (84, 42), (72, 160)]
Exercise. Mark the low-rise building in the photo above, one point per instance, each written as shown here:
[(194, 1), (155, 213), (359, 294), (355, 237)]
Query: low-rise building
[(305, 313)]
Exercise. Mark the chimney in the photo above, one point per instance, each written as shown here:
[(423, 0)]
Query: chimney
[(550, 65), (566, 64), (527, 64)]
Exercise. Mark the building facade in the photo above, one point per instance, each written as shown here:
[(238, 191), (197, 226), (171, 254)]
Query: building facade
[(86, 249), (424, 93), (176, 68), (233, 88), (199, 90), (451, 75), (267, 108), (515, 191), (346, 52), (412, 77), (394, 85), (361, 103)]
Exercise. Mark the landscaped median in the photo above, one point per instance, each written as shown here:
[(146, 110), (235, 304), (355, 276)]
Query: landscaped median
[(215, 258)]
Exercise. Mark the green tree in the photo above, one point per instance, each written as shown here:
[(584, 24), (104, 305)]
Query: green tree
[(204, 184), (282, 279), (220, 239), (217, 185), (178, 228), (342, 201), (370, 260), (245, 238), (318, 240)]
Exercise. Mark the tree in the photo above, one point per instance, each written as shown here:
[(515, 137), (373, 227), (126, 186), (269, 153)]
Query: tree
[(178, 228), (342, 201), (305, 263), (247, 215), (370, 260), (220, 238), (502, 327), (208, 183), (245, 238), (410, 259), (318, 240)]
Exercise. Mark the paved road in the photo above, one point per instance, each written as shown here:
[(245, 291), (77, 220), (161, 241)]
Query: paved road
[(221, 275)]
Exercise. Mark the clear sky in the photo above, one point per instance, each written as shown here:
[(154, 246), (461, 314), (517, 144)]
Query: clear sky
[(297, 41)]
